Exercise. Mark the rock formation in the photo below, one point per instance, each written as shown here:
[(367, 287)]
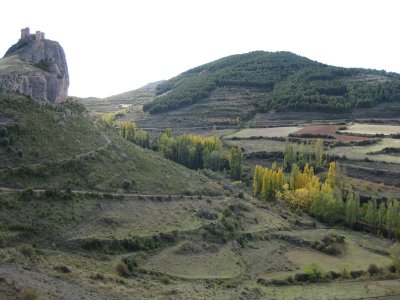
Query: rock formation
[(36, 67)]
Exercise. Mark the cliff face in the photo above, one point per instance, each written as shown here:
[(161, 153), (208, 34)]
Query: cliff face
[(37, 67)]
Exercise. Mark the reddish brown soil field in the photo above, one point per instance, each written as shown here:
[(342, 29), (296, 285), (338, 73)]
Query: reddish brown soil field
[(325, 129)]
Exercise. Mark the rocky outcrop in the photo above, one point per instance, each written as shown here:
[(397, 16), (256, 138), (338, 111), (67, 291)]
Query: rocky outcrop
[(36, 67)]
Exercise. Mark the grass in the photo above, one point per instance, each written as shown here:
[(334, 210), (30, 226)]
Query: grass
[(257, 145), (263, 132), (336, 290), (223, 264), (63, 148), (132, 100), (46, 132), (362, 152), (373, 129)]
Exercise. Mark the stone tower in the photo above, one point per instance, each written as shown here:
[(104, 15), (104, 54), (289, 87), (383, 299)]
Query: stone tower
[(25, 33)]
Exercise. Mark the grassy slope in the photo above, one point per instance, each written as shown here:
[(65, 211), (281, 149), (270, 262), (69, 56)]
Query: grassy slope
[(61, 147), (132, 99)]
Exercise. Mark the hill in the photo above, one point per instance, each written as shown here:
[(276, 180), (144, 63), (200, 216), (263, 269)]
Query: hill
[(131, 100), (288, 82), (62, 147)]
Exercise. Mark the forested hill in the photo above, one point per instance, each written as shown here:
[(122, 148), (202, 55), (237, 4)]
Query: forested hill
[(290, 82)]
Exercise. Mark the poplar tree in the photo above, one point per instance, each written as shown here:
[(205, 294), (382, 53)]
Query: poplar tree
[(235, 158)]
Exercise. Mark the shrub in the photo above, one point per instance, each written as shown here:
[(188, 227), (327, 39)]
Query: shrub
[(331, 244), (131, 263), (314, 272), (27, 195), (165, 280), (122, 269), (290, 279), (127, 185), (4, 141), (373, 269), (331, 275), (392, 269), (301, 277), (344, 272), (62, 269), (356, 274), (27, 251), (3, 132), (29, 294), (279, 282), (20, 153)]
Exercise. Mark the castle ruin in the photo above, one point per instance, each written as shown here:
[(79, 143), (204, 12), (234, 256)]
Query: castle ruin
[(25, 33)]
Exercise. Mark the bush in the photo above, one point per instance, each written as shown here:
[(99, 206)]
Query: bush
[(373, 269), (29, 294), (356, 274), (344, 272), (301, 277), (62, 269), (3, 132), (28, 195), (131, 263), (165, 280), (331, 275), (4, 142), (20, 153), (279, 282), (331, 244), (122, 269), (314, 272), (27, 251), (127, 185)]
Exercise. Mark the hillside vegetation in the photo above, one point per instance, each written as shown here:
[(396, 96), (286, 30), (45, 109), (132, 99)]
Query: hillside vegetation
[(289, 81), (60, 146)]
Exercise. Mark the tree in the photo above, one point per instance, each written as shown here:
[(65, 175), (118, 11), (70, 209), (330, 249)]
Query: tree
[(331, 177), (352, 209), (371, 213), (318, 153), (393, 217), (128, 131), (381, 217), (235, 158), (326, 207)]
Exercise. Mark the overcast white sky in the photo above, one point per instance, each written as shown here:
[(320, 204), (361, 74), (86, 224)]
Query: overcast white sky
[(116, 46)]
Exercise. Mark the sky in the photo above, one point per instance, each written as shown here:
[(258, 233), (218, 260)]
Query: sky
[(120, 45)]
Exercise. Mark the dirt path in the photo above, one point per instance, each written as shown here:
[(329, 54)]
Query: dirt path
[(47, 285), (155, 196)]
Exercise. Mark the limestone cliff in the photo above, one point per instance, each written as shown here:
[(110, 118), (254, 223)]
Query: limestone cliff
[(37, 67)]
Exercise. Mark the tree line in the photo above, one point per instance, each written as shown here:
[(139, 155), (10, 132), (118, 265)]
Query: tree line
[(191, 151), (326, 200)]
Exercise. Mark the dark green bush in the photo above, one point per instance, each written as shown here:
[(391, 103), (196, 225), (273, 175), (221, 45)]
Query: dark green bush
[(373, 269), (3, 132), (127, 185), (4, 141), (131, 263)]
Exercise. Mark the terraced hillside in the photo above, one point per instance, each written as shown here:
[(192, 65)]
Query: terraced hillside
[(289, 82)]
